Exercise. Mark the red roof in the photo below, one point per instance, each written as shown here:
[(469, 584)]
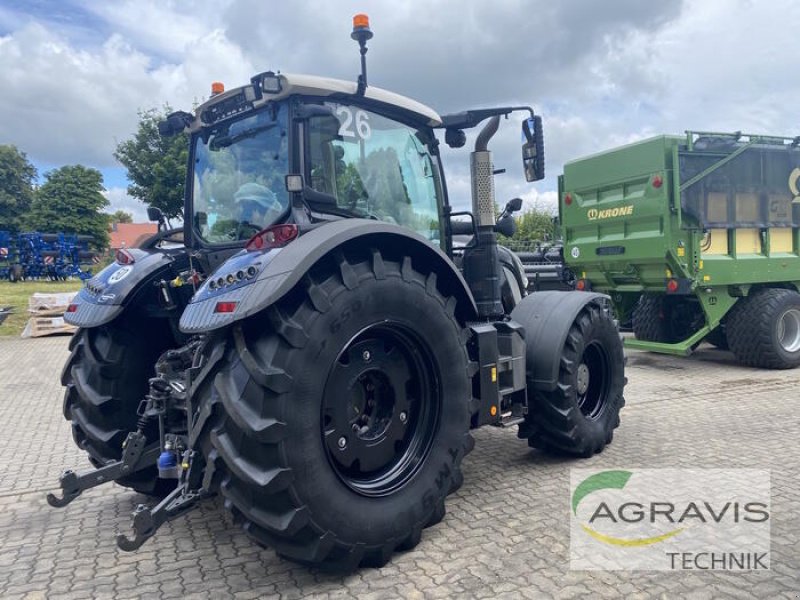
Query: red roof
[(130, 235)]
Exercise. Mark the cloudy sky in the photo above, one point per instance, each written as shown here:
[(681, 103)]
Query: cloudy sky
[(73, 73)]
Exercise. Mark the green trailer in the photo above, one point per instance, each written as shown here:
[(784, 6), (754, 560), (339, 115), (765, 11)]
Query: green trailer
[(694, 237)]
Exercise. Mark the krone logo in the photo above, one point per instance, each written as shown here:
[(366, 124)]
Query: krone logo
[(621, 211), (794, 176)]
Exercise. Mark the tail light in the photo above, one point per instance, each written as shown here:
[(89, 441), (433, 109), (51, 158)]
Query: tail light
[(672, 285), (567, 199), (583, 285), (72, 308), (124, 257), (276, 236), (225, 307)]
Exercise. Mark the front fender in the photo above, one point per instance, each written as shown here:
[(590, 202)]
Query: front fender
[(279, 270), (547, 318)]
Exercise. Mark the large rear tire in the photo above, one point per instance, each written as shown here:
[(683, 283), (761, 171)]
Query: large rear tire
[(342, 413), (763, 329), (579, 416), (106, 376)]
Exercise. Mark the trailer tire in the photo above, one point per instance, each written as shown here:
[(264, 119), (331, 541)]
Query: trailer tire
[(764, 329), (649, 324), (718, 338), (299, 439), (106, 376), (579, 416)]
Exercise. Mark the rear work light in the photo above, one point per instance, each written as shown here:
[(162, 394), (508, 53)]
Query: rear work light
[(124, 257), (276, 236), (225, 307)]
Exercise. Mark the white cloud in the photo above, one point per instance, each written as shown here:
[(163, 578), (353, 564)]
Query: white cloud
[(601, 74), (119, 199)]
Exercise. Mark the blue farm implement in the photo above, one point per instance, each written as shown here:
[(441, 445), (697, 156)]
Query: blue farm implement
[(53, 256)]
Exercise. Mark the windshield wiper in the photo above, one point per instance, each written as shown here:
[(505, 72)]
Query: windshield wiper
[(223, 141)]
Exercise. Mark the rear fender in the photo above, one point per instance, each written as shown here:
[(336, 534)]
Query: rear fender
[(547, 318), (106, 295), (279, 270)]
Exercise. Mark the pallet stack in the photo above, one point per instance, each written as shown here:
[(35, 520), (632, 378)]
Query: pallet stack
[(47, 314)]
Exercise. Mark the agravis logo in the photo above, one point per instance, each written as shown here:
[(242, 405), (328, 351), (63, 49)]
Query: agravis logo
[(670, 519), (612, 480)]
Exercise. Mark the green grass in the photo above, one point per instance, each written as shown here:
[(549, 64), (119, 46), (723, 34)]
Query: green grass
[(17, 294)]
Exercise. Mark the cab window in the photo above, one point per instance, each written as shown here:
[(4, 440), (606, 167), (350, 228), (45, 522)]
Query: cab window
[(369, 165)]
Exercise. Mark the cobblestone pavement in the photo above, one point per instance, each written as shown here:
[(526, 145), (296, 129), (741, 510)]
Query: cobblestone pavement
[(505, 533)]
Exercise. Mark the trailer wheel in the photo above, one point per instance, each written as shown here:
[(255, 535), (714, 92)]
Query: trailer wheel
[(106, 376), (718, 338), (15, 273), (579, 416), (649, 323), (343, 413), (764, 329), (666, 319)]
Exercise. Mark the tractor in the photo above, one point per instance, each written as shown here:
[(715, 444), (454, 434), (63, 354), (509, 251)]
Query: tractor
[(314, 344)]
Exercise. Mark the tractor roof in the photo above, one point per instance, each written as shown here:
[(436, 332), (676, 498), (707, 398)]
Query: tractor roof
[(311, 85)]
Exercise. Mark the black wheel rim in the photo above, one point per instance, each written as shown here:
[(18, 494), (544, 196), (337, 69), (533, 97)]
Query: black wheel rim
[(380, 409), (592, 379)]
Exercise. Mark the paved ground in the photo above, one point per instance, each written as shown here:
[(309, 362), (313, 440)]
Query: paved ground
[(505, 534)]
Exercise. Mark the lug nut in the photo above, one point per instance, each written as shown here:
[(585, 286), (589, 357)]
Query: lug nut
[(342, 442), (366, 356), (403, 417)]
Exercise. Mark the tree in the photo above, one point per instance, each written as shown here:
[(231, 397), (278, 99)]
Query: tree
[(156, 165), (121, 216), (17, 175), (534, 225), (70, 200)]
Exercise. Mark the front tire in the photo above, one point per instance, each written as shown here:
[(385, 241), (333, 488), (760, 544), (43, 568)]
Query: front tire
[(343, 413), (763, 329), (579, 416)]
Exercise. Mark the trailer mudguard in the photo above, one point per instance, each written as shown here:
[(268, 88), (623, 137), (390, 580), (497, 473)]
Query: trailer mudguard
[(547, 318), (278, 270), (105, 295)]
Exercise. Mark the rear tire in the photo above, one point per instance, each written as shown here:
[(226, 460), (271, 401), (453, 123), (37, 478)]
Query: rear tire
[(325, 454), (579, 417), (764, 329), (106, 376)]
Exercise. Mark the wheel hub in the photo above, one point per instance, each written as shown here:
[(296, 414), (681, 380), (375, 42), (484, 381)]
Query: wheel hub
[(378, 410), (583, 378), (789, 330)]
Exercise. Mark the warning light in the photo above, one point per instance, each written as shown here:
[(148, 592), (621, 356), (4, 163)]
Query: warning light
[(568, 199), (360, 20), (493, 411), (217, 88), (672, 285), (658, 181)]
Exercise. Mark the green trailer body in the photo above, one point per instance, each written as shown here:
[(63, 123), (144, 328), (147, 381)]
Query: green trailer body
[(700, 221)]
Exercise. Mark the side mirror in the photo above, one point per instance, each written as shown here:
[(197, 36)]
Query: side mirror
[(513, 205), (506, 226), (175, 123), (154, 214), (533, 149)]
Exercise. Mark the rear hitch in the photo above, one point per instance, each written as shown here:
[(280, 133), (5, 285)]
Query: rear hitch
[(135, 457), (146, 520), (193, 487)]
